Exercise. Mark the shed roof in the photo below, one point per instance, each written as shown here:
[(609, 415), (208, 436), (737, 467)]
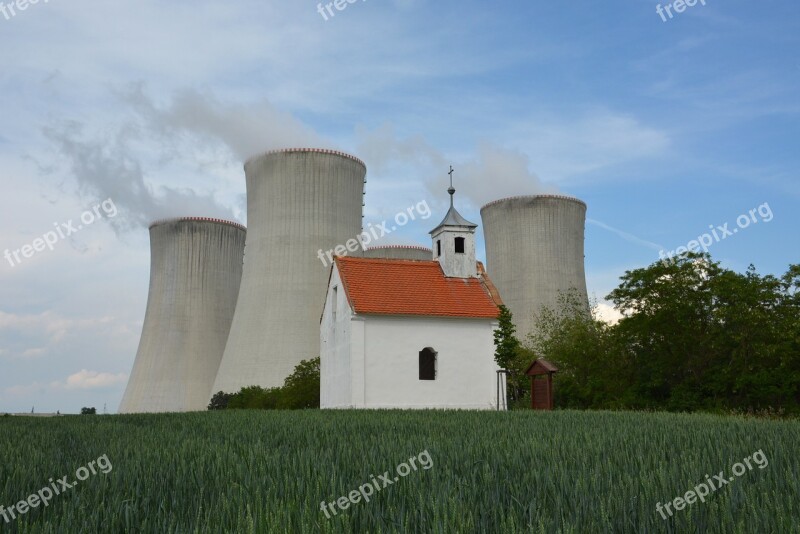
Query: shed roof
[(541, 367)]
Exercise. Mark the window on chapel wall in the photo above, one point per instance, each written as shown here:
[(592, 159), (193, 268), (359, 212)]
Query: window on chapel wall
[(438, 247), (427, 364), (460, 245)]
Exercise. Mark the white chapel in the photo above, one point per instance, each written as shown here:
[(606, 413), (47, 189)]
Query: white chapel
[(411, 333)]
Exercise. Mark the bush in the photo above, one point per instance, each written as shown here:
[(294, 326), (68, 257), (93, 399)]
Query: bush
[(88, 411), (301, 388), (219, 401), (255, 398), (300, 391)]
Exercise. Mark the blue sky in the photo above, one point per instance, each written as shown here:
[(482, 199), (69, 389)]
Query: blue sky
[(663, 128)]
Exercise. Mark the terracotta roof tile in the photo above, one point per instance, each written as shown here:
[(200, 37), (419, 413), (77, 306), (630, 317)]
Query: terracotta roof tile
[(412, 287)]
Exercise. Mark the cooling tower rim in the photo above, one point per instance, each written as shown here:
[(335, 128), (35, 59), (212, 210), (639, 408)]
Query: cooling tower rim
[(198, 219), (395, 247), (531, 197), (307, 150)]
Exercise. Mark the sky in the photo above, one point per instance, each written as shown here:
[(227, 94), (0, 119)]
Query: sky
[(115, 114)]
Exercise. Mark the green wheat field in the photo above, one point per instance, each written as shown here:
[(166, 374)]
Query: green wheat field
[(267, 471)]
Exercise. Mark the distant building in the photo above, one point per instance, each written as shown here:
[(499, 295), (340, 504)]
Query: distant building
[(411, 333)]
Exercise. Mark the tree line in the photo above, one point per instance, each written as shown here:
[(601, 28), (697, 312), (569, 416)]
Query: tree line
[(693, 336), (300, 390)]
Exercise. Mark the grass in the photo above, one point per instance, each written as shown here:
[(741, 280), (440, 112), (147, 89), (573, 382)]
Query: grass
[(564, 471)]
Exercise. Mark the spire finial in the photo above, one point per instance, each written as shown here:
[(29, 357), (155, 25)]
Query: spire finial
[(451, 190)]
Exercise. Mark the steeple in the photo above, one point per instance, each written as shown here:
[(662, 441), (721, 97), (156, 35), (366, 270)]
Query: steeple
[(454, 241)]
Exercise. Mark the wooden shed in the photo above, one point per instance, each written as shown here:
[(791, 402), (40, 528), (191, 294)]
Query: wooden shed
[(541, 372)]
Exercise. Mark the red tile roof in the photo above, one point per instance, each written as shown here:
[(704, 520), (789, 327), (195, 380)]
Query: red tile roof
[(413, 287)]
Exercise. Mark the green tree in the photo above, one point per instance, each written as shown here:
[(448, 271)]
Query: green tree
[(505, 341), (581, 346), (301, 388), (697, 336), (507, 355), (219, 401)]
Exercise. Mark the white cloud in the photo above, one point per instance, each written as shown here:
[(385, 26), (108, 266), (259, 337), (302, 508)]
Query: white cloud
[(498, 172), (26, 390), (607, 313), (82, 380), (48, 324), (34, 353), (563, 147), (246, 129), (20, 331), (85, 379), (492, 172)]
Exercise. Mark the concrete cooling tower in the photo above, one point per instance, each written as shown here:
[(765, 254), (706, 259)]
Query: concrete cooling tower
[(195, 270), (399, 252), (301, 205), (534, 249)]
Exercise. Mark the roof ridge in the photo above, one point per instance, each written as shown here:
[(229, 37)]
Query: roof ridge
[(416, 247), (385, 260)]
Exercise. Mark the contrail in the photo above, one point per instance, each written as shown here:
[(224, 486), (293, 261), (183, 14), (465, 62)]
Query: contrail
[(626, 236)]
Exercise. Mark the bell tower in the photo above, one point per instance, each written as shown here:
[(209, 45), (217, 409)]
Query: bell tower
[(454, 242)]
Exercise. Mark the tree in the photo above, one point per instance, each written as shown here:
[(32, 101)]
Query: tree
[(219, 401), (666, 331), (301, 388), (505, 342), (507, 355), (697, 336), (88, 411), (581, 346)]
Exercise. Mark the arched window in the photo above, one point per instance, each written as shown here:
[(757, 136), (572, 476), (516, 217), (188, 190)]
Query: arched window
[(460, 245), (427, 364)]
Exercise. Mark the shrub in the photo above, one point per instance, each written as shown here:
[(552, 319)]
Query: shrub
[(219, 401), (300, 390)]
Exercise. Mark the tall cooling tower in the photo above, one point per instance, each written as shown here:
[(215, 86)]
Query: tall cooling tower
[(301, 204), (534, 249), (195, 270), (399, 252)]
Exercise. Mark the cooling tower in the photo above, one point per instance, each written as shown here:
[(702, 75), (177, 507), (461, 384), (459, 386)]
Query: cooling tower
[(301, 205), (399, 252), (195, 270), (534, 249)]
